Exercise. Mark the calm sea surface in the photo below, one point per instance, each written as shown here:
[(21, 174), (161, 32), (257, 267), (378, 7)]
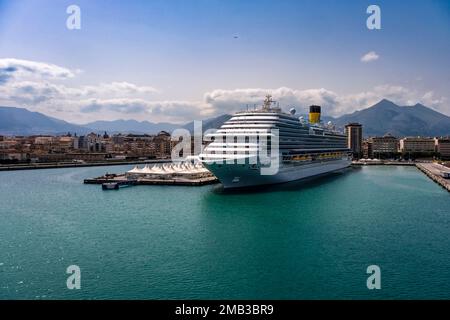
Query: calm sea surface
[(296, 241)]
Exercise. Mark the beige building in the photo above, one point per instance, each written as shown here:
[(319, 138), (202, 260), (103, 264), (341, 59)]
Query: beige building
[(417, 145), (46, 140), (384, 147)]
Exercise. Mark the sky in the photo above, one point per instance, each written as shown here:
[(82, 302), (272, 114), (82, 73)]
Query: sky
[(180, 60)]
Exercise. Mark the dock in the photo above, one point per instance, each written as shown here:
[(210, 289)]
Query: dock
[(186, 173), (436, 172), (147, 181), (382, 163), (57, 165)]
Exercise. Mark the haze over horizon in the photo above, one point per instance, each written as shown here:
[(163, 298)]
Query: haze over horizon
[(175, 61)]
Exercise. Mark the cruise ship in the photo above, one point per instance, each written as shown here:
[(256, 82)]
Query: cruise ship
[(268, 146)]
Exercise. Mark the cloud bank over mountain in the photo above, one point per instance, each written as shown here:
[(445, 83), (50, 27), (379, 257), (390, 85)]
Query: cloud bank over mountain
[(50, 89)]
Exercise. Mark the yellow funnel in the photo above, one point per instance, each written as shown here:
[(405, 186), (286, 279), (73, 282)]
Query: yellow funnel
[(314, 114)]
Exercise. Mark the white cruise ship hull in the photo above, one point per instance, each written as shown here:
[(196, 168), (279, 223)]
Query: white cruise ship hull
[(244, 175)]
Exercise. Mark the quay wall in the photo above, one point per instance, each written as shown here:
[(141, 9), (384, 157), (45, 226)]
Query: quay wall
[(445, 183), (76, 165)]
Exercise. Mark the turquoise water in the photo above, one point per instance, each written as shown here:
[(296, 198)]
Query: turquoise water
[(297, 241)]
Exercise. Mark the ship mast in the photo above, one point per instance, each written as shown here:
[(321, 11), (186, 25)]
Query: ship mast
[(268, 102)]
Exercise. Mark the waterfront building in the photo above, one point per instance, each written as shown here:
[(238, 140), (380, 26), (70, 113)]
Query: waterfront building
[(76, 141), (354, 138), (118, 139), (384, 147), (367, 149), (412, 147), (64, 144), (45, 148), (81, 143), (13, 157), (163, 144), (443, 147), (43, 140), (135, 146)]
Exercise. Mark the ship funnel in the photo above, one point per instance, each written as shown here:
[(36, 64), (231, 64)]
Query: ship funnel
[(314, 114)]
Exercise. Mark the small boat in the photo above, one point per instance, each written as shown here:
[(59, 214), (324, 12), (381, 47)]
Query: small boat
[(117, 185), (110, 186)]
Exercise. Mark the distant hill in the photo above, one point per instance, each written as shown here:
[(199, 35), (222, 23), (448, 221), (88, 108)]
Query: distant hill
[(20, 121), (131, 126), (387, 117)]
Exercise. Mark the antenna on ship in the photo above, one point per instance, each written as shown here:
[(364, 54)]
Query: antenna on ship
[(268, 102)]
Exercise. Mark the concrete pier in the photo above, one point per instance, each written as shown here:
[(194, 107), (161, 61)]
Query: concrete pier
[(147, 181), (434, 172), (382, 163)]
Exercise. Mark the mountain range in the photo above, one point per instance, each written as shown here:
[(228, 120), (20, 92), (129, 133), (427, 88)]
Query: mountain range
[(379, 119), (20, 121), (130, 126), (387, 117)]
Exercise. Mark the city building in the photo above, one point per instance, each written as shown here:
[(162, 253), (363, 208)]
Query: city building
[(367, 149), (443, 147), (91, 147), (413, 147), (354, 138), (163, 144), (385, 147)]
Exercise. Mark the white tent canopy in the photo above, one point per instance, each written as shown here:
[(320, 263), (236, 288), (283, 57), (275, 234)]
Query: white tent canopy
[(181, 168)]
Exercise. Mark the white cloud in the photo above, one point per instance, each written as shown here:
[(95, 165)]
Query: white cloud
[(32, 85), (16, 68), (370, 56), (333, 104), (228, 101), (176, 111), (118, 88)]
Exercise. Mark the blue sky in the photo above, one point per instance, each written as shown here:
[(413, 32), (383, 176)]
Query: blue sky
[(175, 60)]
